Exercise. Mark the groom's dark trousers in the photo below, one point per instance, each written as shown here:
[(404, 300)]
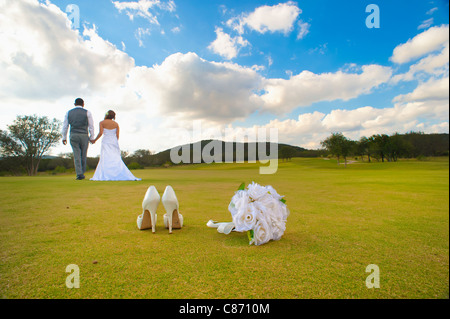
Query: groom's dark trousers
[(80, 121), (80, 145)]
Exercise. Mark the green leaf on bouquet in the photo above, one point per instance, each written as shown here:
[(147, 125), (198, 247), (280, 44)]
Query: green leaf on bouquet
[(283, 201), (250, 235), (242, 187)]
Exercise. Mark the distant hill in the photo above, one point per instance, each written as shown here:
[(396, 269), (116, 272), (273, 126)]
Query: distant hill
[(250, 150), (417, 144), (412, 145)]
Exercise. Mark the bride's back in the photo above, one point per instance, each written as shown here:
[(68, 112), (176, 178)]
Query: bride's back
[(109, 124)]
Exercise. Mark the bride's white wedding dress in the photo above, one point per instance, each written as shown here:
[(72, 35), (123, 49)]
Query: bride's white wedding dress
[(110, 166)]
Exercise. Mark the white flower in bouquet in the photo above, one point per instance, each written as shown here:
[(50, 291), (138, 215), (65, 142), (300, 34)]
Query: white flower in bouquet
[(256, 191), (239, 202), (273, 192), (262, 233), (246, 218), (261, 211)]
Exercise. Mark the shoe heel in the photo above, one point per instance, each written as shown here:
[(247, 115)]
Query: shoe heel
[(149, 205), (144, 221), (169, 222), (153, 220), (176, 222), (172, 219)]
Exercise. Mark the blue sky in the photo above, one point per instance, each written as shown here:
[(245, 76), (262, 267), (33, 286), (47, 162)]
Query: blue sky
[(337, 25), (340, 25), (308, 68)]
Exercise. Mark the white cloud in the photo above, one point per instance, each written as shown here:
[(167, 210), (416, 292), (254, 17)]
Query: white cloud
[(46, 63), (144, 8), (311, 128), (269, 60), (426, 24), (176, 30), (348, 120), (321, 49), (226, 46), (304, 29), (140, 33), (42, 58), (431, 11), (426, 42), (189, 86), (439, 128), (277, 18), (435, 64), (185, 84), (307, 88), (433, 89)]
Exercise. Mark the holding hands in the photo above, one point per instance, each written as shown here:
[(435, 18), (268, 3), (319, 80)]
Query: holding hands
[(90, 141)]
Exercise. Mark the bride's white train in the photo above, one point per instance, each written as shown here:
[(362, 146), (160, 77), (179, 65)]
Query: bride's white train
[(111, 166)]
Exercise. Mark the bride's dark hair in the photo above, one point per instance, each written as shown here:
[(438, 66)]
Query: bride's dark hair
[(110, 115)]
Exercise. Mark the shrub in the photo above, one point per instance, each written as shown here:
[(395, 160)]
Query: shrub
[(59, 170), (422, 158), (134, 165), (167, 164)]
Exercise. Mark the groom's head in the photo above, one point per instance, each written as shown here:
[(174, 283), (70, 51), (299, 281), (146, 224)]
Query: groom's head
[(79, 102)]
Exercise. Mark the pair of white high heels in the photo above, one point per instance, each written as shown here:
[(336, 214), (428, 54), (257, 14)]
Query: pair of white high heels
[(172, 218)]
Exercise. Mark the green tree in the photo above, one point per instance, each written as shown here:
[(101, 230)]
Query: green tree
[(286, 153), (142, 157), (331, 144), (347, 148), (397, 146), (362, 147), (29, 138), (381, 146), (124, 154), (338, 145)]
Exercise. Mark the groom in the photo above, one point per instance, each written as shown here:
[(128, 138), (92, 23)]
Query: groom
[(81, 123)]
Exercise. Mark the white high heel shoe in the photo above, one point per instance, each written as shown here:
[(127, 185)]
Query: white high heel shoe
[(148, 218), (172, 217)]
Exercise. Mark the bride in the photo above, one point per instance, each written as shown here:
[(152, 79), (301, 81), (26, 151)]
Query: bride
[(110, 166)]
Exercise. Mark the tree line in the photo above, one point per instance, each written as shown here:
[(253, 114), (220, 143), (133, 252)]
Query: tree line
[(383, 147), (29, 138), (27, 141), (23, 148)]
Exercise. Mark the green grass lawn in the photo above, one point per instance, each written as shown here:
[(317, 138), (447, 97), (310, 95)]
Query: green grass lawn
[(394, 215)]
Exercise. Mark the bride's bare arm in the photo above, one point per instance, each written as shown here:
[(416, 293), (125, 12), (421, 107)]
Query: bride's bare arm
[(100, 132)]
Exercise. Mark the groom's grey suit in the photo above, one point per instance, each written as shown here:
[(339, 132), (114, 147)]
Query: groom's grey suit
[(81, 125)]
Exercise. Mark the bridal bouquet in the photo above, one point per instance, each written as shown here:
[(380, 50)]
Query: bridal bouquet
[(260, 211)]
